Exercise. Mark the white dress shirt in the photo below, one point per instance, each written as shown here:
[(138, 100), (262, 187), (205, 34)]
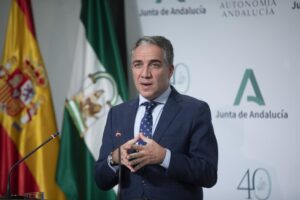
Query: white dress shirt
[(156, 113)]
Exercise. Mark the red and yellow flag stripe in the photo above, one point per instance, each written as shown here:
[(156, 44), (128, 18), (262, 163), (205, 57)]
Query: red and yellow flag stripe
[(26, 111)]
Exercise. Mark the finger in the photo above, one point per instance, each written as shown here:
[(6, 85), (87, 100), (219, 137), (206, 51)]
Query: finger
[(129, 143), (126, 163), (138, 166), (135, 139), (125, 160), (144, 138), (129, 167), (138, 147), (124, 153), (137, 161), (133, 156), (134, 162)]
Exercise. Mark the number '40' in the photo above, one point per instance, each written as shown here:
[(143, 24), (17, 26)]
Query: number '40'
[(259, 183)]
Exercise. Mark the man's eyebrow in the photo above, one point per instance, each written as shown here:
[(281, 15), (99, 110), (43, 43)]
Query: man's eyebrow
[(137, 61), (151, 61), (155, 60)]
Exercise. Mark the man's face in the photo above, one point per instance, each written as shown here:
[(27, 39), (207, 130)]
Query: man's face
[(151, 75)]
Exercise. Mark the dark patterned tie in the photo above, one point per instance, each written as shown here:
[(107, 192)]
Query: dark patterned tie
[(147, 121)]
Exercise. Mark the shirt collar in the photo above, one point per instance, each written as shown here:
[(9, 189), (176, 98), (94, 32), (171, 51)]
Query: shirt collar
[(162, 99)]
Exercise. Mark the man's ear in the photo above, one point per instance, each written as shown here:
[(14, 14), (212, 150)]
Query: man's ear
[(171, 70)]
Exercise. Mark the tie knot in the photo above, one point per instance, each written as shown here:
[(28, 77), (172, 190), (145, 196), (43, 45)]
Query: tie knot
[(150, 105)]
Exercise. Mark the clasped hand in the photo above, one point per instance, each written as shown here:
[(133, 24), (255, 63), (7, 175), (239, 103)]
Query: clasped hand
[(134, 156)]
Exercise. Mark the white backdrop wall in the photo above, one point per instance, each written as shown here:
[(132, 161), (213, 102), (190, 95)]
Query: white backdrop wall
[(214, 47), (218, 43)]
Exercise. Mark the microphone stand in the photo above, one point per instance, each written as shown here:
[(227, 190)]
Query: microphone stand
[(8, 189), (118, 135)]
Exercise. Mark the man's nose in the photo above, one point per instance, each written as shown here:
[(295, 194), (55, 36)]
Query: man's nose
[(146, 72)]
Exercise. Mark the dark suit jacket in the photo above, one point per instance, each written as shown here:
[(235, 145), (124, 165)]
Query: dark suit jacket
[(184, 128)]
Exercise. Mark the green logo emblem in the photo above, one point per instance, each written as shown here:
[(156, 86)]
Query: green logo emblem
[(258, 98)]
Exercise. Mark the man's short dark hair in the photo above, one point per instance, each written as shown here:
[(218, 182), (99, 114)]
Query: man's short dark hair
[(161, 42)]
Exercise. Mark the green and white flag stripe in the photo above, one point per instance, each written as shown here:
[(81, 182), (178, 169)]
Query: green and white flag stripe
[(97, 83)]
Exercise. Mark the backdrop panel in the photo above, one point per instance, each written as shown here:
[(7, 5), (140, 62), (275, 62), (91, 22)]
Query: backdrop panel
[(242, 57)]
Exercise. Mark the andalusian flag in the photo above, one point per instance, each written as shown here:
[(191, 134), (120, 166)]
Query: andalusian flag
[(26, 111), (97, 83)]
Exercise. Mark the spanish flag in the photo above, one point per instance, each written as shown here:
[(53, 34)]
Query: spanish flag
[(26, 111)]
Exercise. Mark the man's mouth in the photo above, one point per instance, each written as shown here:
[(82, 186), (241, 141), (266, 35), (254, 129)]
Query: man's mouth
[(146, 84)]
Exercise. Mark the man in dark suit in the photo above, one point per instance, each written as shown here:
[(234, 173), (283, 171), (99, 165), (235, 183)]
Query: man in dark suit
[(168, 149)]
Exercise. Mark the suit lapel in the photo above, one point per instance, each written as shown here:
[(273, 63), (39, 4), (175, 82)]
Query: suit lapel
[(133, 106), (170, 110)]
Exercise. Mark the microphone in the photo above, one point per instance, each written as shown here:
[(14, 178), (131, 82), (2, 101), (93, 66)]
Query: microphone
[(118, 136), (8, 189)]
